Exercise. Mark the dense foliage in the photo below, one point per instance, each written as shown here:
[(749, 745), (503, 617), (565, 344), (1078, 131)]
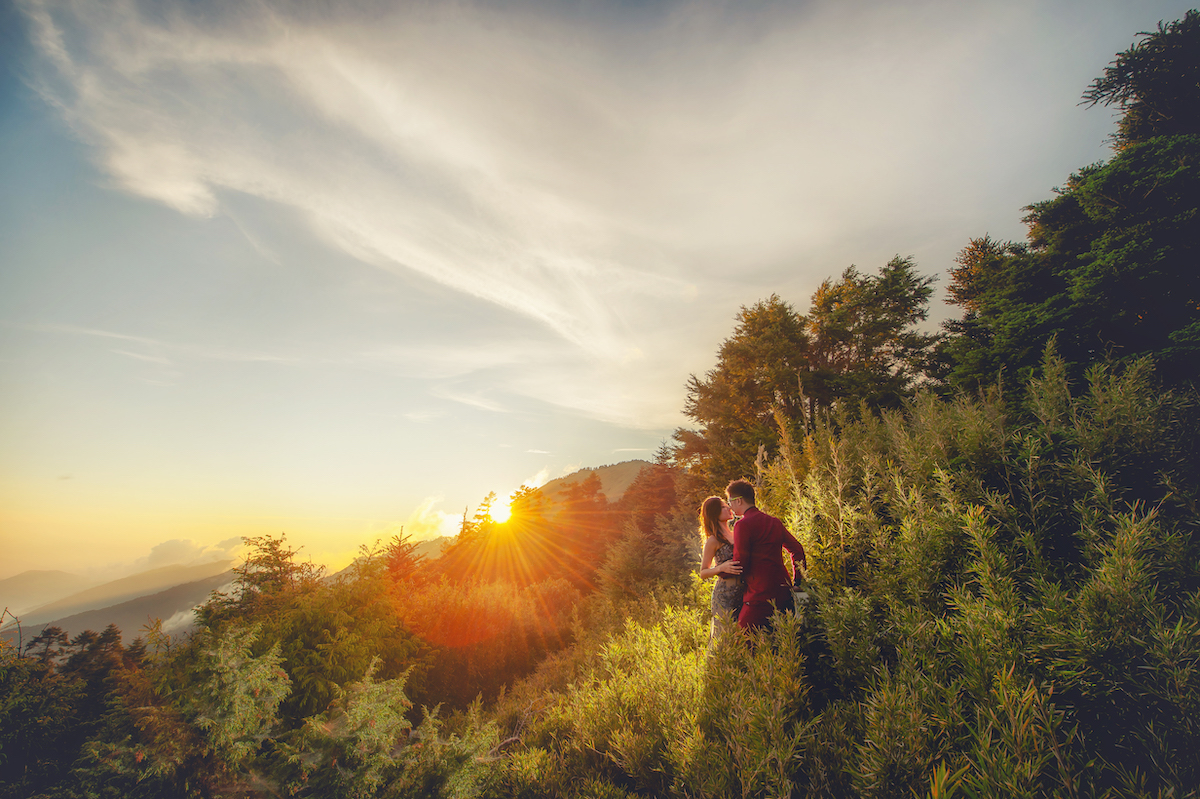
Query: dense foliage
[(368, 682), (1109, 268), (1003, 531), (1007, 603), (780, 371), (1154, 83)]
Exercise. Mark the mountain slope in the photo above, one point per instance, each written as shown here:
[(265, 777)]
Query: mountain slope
[(173, 606), (125, 589), (614, 480), (30, 589)]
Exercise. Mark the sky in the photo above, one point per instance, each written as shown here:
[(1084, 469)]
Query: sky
[(336, 270)]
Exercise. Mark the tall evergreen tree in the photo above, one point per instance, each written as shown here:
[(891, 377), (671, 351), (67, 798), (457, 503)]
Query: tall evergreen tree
[(1109, 270), (1155, 82)]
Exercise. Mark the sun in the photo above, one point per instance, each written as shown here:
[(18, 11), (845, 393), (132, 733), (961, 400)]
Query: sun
[(500, 512)]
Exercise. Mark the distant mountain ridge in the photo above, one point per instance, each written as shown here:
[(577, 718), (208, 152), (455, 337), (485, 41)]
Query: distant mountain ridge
[(430, 548), (615, 479), (31, 589), (127, 588), (173, 606)]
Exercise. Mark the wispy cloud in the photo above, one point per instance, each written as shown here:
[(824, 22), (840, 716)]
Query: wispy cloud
[(400, 165), (440, 361), (624, 176), (201, 352), (142, 357), (505, 154), (537, 480), (471, 397), (81, 331)]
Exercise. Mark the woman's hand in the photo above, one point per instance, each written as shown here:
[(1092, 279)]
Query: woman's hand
[(730, 567)]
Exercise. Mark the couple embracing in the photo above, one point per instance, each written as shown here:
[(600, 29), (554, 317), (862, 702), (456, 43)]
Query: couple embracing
[(752, 581)]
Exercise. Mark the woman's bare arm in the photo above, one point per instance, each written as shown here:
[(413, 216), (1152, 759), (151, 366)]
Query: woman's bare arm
[(711, 545)]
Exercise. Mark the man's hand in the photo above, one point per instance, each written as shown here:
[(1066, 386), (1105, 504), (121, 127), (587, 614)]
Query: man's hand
[(801, 574)]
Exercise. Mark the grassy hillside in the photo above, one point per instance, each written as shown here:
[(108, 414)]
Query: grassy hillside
[(1004, 600)]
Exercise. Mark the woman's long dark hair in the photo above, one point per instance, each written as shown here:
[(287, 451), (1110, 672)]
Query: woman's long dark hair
[(710, 519)]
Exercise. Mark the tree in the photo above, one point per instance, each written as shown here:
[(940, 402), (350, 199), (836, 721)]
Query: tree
[(865, 345), (48, 644), (403, 564), (981, 262), (758, 370), (269, 577), (39, 724), (1156, 83), (1108, 272), (779, 369), (1109, 269), (327, 631), (653, 493), (583, 528), (1012, 302)]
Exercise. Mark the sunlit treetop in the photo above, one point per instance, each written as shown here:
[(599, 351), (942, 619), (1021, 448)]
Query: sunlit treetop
[(1156, 82)]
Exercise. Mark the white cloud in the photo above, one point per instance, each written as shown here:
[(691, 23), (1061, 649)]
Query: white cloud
[(625, 178), (428, 522), (537, 480), (174, 551), (181, 620), (186, 552)]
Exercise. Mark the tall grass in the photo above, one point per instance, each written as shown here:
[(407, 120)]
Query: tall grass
[(1007, 603)]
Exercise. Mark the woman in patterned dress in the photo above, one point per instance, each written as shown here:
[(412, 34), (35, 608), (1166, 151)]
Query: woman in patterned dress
[(718, 547)]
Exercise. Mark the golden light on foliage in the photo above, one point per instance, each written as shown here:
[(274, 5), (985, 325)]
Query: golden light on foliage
[(526, 540)]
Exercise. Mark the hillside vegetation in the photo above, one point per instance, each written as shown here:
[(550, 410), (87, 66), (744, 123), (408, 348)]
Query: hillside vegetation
[(1004, 563)]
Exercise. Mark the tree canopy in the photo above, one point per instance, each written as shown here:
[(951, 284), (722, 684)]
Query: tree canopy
[(1109, 267), (1155, 82), (781, 370)]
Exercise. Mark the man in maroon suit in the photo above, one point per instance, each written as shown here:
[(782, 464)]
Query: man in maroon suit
[(758, 543)]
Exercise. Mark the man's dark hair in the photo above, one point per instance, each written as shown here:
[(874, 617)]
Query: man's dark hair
[(742, 489)]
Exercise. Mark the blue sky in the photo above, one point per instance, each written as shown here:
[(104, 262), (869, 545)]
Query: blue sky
[(330, 269)]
